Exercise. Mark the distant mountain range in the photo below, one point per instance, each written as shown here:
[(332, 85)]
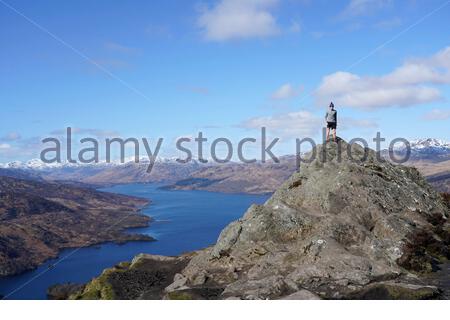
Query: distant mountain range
[(430, 146), (37, 164), (428, 149), (430, 156), (165, 170)]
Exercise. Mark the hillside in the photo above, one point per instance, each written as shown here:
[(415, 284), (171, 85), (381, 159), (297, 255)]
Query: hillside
[(437, 173), (37, 219), (336, 230), (254, 178)]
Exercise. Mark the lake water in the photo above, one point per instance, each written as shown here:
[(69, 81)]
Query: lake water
[(183, 221)]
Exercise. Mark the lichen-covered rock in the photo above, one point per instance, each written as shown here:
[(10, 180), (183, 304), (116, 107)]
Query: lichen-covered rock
[(302, 295), (334, 228), (145, 277), (63, 291), (396, 291)]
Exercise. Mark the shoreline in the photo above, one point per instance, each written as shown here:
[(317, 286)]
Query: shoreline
[(132, 219)]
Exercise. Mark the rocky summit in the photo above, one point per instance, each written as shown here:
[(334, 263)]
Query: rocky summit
[(343, 227)]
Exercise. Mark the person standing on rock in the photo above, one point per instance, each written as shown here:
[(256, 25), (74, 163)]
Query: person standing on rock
[(331, 119)]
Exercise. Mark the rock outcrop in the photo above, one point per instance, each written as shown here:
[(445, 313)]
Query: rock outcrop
[(340, 226), (144, 278), (347, 226)]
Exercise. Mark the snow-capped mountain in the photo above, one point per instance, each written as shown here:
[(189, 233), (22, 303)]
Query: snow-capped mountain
[(422, 147), (429, 149), (37, 164), (430, 145)]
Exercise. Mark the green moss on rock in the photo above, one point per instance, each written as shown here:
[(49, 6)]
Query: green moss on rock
[(177, 295), (384, 291), (99, 288)]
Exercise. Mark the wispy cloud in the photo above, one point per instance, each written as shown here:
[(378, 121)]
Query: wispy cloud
[(295, 27), (287, 125), (412, 83), (31, 147), (20, 148), (437, 115), (99, 133), (239, 19), (318, 34), (12, 136), (357, 8), (286, 91)]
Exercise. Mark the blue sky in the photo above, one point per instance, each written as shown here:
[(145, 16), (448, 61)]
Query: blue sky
[(172, 68)]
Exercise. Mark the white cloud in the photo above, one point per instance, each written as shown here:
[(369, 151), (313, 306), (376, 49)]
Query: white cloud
[(301, 124), (411, 84), (437, 114), (288, 125), (239, 19), (364, 7), (22, 148), (286, 91)]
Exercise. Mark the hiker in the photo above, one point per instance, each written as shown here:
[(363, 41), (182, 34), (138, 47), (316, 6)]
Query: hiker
[(331, 119)]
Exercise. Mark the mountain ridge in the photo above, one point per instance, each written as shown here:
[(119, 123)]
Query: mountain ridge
[(430, 156)]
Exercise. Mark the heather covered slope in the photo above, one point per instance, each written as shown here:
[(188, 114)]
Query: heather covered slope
[(37, 219), (252, 178)]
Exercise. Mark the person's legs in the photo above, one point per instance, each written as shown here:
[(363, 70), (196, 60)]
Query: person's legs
[(334, 135), (328, 133)]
